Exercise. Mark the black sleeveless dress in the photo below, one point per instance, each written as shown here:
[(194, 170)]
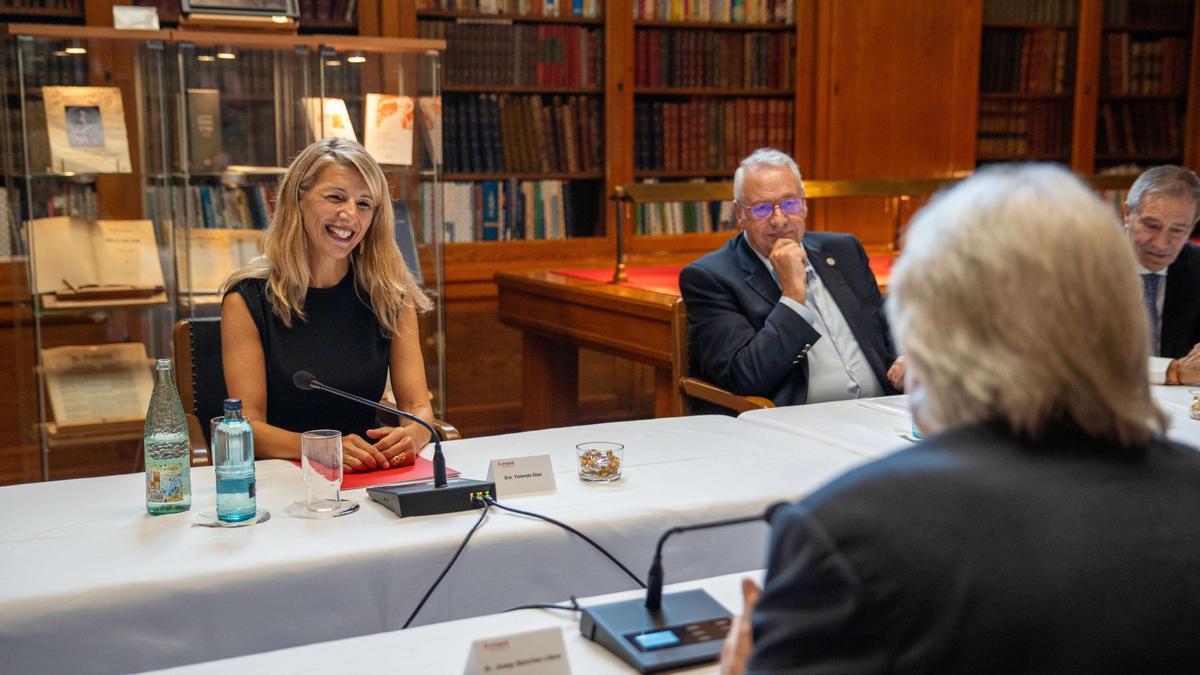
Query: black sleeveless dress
[(339, 341)]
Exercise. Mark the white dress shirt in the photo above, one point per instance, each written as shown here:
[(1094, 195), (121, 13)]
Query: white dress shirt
[(837, 368)]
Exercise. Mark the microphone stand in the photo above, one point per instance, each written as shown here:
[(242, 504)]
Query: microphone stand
[(439, 460), (654, 580), (651, 637)]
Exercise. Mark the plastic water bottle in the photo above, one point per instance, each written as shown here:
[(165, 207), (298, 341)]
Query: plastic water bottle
[(233, 457), (168, 461)]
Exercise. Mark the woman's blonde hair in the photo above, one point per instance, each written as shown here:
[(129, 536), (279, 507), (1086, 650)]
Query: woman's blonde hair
[(1017, 300), (376, 262)]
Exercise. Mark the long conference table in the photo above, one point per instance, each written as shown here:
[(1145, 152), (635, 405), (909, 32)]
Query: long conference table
[(92, 584)]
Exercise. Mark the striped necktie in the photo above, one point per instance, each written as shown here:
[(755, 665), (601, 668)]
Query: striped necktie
[(1150, 297)]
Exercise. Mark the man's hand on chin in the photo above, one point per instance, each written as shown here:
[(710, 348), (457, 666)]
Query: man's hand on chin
[(791, 266)]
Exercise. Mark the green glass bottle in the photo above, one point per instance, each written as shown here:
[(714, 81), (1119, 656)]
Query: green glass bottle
[(168, 462)]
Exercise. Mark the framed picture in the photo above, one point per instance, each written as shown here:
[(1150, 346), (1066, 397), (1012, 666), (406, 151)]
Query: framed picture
[(260, 7)]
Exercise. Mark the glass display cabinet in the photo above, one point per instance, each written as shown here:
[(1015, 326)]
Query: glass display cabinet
[(140, 170), (90, 264)]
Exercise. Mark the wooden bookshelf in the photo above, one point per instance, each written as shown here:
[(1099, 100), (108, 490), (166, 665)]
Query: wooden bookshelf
[(1122, 108), (714, 91), (515, 18), (713, 25)]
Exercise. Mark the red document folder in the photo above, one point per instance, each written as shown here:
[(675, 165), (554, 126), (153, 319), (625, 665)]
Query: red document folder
[(422, 469)]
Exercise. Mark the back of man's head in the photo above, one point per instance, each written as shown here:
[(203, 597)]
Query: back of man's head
[(1016, 300)]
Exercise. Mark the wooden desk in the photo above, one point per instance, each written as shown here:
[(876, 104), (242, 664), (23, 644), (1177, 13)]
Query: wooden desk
[(558, 314)]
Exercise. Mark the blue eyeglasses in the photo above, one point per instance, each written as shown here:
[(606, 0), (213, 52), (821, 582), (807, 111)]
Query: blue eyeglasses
[(792, 206)]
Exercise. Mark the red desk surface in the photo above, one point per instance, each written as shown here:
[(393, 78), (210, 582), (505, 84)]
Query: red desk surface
[(665, 279)]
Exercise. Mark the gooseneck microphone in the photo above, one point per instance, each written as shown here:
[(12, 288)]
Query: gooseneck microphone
[(654, 580), (653, 635), (414, 498), (307, 381)]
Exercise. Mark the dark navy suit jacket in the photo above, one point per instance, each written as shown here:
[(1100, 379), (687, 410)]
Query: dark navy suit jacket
[(1181, 304), (976, 552), (741, 338)]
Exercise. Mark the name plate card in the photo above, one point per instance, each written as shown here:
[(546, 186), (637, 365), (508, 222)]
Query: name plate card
[(522, 475), (538, 652)]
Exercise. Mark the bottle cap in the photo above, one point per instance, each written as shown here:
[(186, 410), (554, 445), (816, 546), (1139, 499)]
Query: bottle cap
[(163, 364), (233, 404)]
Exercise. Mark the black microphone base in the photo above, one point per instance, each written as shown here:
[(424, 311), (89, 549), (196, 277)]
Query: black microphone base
[(423, 499), (689, 629)]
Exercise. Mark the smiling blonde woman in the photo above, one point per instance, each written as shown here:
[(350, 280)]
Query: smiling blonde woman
[(330, 295)]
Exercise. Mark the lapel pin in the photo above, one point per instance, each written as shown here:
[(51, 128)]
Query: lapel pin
[(831, 261)]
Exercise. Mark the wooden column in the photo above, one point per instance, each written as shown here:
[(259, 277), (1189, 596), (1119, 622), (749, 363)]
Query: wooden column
[(1087, 86), (618, 110), (1191, 153)]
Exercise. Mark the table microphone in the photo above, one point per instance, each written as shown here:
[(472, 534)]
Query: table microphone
[(660, 633), (420, 499)]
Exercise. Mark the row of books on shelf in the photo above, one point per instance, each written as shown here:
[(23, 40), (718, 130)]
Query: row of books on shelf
[(47, 63), (1025, 11), (521, 54), (708, 134), (1148, 13), (683, 217), (328, 10), (577, 8), (1018, 128), (513, 210), (673, 58), (488, 133), (1156, 66), (41, 4), (726, 11), (1036, 61), (232, 208), (1151, 128), (77, 200)]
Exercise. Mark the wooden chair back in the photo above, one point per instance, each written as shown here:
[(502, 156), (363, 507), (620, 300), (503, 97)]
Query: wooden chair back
[(691, 389)]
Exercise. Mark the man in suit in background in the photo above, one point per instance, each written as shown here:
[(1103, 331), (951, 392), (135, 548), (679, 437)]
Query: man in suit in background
[(776, 312), (1044, 524), (1160, 212)]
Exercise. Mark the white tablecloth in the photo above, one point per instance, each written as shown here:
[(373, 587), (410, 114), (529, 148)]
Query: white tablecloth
[(443, 648), (90, 583), (875, 427)]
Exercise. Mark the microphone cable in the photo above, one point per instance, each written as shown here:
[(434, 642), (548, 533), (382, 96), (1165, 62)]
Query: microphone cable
[(568, 528), (573, 607), (486, 505)]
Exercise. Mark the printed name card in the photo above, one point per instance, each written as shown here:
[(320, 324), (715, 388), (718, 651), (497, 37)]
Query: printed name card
[(522, 475), (538, 652)]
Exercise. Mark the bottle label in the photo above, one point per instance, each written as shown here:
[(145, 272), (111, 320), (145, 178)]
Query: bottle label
[(236, 486), (164, 482)]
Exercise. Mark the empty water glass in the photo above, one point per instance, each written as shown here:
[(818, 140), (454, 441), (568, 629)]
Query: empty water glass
[(321, 461)]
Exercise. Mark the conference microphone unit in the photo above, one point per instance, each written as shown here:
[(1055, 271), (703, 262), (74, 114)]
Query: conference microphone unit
[(660, 633), (424, 498)]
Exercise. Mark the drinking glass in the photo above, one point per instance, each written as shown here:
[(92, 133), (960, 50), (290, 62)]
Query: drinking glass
[(1194, 407), (321, 461)]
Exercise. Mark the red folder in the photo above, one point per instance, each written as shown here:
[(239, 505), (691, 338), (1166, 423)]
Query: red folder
[(422, 469)]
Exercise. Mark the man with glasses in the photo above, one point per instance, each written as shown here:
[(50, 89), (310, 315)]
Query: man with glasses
[(796, 317), (1160, 212)]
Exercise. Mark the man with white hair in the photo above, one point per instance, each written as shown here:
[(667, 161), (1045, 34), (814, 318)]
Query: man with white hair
[(776, 312), (1045, 524), (1160, 212)]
